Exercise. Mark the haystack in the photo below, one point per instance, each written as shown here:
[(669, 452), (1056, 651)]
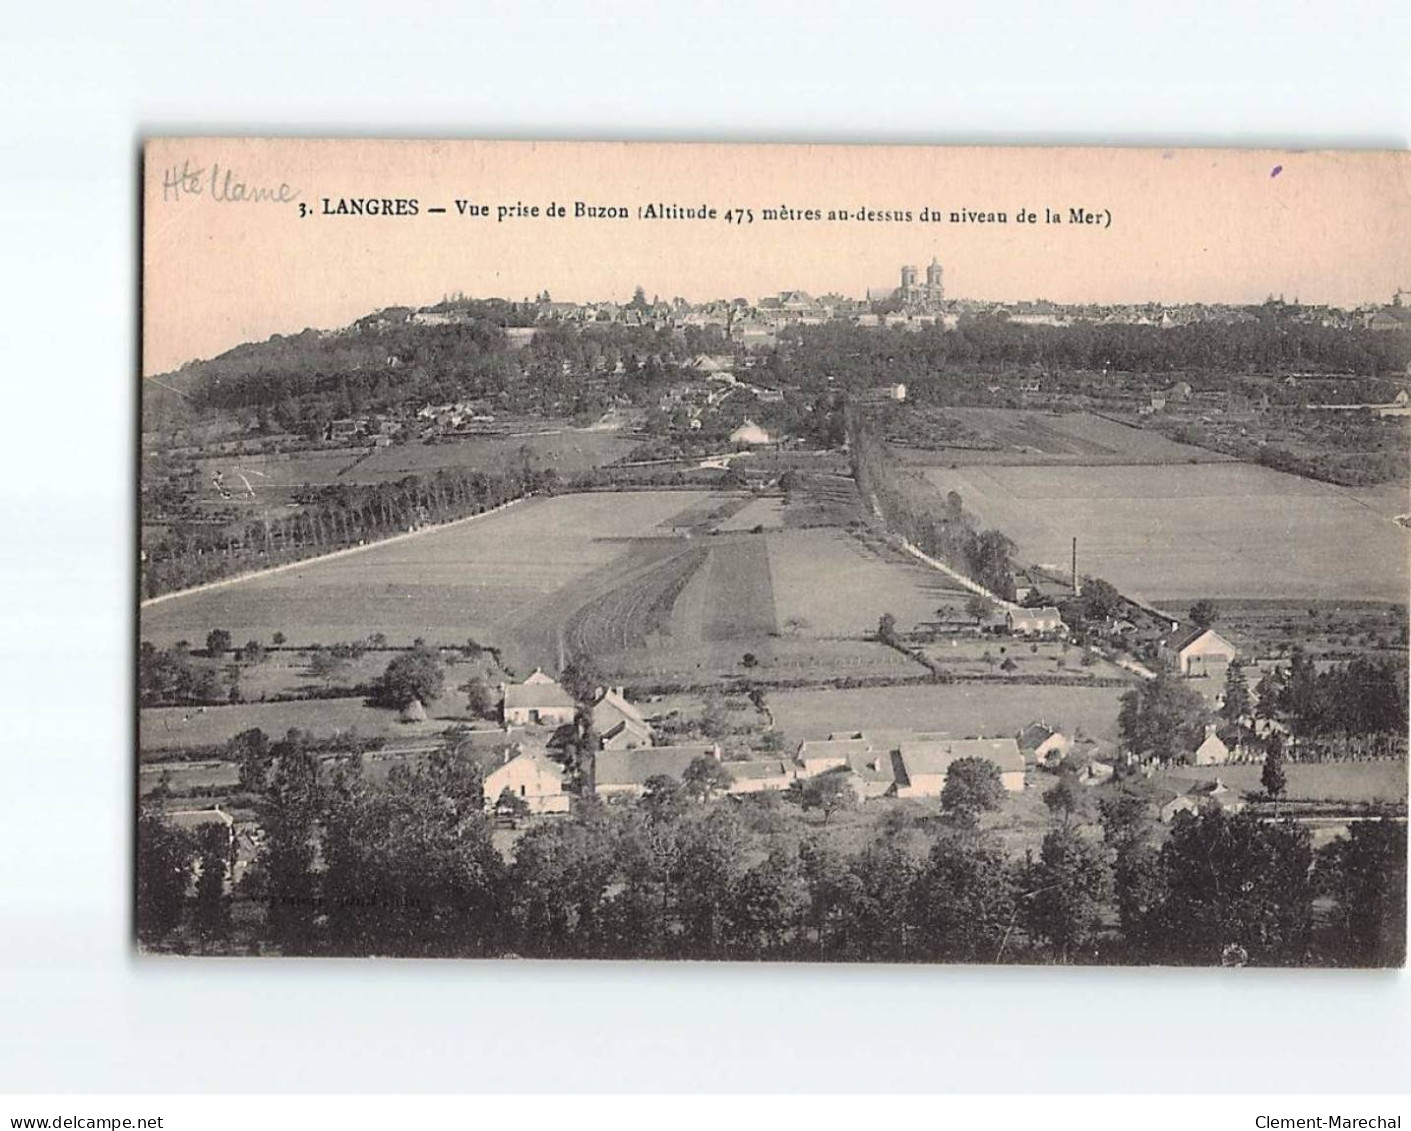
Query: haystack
[(414, 712)]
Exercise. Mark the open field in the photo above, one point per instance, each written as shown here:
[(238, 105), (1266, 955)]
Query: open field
[(958, 709), (1314, 781), (778, 659), (962, 656), (1023, 436), (828, 583), (1188, 531), (566, 450), (171, 728), (478, 579), (767, 512)]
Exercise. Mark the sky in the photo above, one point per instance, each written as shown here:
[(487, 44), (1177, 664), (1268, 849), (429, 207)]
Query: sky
[(1175, 226)]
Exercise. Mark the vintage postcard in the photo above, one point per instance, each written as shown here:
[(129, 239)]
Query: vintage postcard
[(798, 553)]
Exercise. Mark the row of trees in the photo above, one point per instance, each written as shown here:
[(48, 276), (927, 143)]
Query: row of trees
[(408, 867), (938, 526)]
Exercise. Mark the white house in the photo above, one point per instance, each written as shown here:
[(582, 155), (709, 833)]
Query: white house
[(926, 762), (761, 775), (749, 433), (1047, 621), (538, 701), (619, 724), (1211, 751), (533, 778), (1200, 652), (1042, 744), (626, 772), (817, 756)]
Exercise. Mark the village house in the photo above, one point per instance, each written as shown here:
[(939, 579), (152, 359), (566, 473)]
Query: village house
[(620, 726), (1046, 621), (818, 756), (925, 763), (1201, 795), (1041, 744), (538, 701), (873, 774), (761, 775), (618, 773), (749, 433), (530, 776), (1198, 652), (1211, 751)]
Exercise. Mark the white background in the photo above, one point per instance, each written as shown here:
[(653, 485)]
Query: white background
[(79, 84)]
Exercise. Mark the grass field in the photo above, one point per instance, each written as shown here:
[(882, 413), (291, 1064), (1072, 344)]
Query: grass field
[(765, 512), (957, 709), (171, 728), (777, 659), (1022, 436), (1314, 781), (478, 579), (1188, 531), (828, 583)]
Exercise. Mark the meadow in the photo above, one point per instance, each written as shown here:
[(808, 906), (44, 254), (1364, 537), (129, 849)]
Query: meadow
[(958, 709), (480, 578), (1185, 531)]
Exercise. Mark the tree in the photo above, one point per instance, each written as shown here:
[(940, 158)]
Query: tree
[(977, 608), (212, 907), (509, 804), (963, 899), (663, 798), (973, 786), (1100, 599), (1126, 820), (580, 676), (284, 872), (705, 777), (1163, 719), (1273, 778), (1067, 888), (253, 652), (278, 639), (715, 715), (250, 750), (1364, 873), (164, 859), (764, 905), (328, 664), (829, 793), (1064, 799), (1203, 614), (480, 700), (887, 628), (218, 642), (1235, 706), (417, 674)]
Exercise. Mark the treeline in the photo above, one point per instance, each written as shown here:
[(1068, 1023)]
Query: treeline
[(856, 358), (334, 517), (408, 868), (299, 383), (913, 509), (1352, 700)]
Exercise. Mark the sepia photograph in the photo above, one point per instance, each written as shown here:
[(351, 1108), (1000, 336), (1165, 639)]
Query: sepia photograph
[(772, 553)]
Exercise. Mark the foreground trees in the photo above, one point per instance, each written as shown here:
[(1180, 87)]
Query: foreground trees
[(410, 866)]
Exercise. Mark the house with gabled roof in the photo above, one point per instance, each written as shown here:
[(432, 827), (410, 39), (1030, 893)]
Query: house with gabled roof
[(619, 773), (538, 701), (531, 776), (926, 762), (619, 724), (1212, 751), (1045, 621), (761, 775), (819, 755), (1041, 744), (1198, 651), (873, 774), (1197, 797)]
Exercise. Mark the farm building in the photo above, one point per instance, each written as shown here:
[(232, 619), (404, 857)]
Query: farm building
[(1201, 795), (1045, 621), (619, 724), (538, 701), (873, 774), (925, 762), (1211, 751), (193, 820), (1041, 744), (1199, 652), (626, 772), (530, 776), (817, 756), (760, 775), (749, 433)]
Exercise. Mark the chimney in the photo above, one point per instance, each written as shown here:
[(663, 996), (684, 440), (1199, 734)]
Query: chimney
[(1075, 567)]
